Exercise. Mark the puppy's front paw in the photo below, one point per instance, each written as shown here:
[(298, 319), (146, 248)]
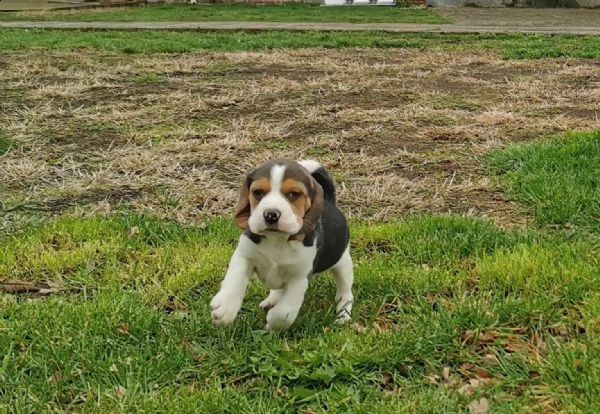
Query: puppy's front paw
[(225, 307), (280, 318)]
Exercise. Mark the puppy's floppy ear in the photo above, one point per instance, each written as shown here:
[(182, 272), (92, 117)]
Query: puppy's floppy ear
[(313, 214), (242, 210)]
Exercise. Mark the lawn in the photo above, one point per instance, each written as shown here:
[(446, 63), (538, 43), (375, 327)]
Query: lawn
[(559, 178), (511, 46), (240, 12), (472, 197)]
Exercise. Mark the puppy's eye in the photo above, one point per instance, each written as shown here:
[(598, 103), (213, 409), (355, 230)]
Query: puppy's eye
[(258, 193), (293, 195)]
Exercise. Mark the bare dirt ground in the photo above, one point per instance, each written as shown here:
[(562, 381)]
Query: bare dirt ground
[(521, 17), (172, 135)]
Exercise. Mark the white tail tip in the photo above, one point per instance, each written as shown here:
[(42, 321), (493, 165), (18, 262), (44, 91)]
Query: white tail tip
[(310, 165)]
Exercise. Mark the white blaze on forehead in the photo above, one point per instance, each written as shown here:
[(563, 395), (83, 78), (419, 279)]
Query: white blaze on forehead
[(277, 174)]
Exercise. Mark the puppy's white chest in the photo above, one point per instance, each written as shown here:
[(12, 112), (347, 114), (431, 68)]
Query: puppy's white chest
[(272, 275), (278, 263)]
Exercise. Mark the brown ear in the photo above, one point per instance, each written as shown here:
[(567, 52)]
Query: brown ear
[(242, 210), (313, 214)]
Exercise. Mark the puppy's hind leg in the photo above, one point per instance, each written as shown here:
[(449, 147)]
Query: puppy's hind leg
[(343, 271)]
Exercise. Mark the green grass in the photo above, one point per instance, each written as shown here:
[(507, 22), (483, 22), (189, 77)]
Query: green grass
[(514, 46), (5, 143), (243, 12), (104, 342), (558, 178)]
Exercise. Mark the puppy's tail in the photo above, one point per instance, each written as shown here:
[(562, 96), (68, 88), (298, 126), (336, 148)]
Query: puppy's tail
[(322, 176)]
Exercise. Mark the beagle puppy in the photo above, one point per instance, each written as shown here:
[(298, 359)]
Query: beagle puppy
[(293, 229)]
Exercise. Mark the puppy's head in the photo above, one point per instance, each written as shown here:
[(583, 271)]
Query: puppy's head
[(279, 196)]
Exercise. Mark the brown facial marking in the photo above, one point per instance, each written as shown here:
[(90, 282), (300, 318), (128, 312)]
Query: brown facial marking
[(258, 189), (312, 206), (247, 200), (297, 195)]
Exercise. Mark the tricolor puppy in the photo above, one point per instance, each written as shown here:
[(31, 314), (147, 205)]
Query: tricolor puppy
[(292, 230)]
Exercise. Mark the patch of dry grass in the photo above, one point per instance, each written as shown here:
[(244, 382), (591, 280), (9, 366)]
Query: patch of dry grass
[(172, 134)]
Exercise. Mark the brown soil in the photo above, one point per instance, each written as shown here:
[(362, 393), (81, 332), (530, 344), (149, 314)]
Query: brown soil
[(172, 135), (522, 17)]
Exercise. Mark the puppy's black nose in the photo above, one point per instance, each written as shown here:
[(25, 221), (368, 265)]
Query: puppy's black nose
[(271, 216)]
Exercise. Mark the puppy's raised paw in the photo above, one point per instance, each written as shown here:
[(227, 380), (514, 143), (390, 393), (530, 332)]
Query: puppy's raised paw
[(224, 308)]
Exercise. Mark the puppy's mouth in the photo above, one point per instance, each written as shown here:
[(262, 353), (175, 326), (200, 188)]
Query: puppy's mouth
[(274, 229)]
